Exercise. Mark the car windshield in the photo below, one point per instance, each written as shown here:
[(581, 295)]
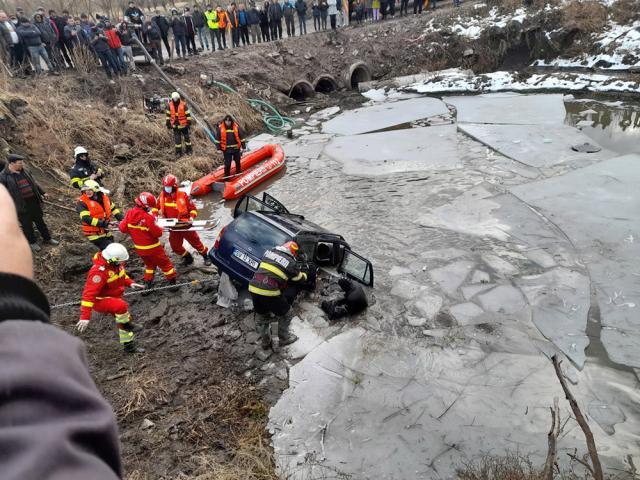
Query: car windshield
[(259, 232)]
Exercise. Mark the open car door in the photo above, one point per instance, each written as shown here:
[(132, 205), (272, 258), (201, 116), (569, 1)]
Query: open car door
[(249, 203), (356, 267)]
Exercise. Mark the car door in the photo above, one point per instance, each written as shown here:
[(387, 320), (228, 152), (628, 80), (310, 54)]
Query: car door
[(249, 203), (356, 267), (273, 203)]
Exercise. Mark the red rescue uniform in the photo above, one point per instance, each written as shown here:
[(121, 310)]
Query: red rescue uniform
[(103, 292), (179, 205), (145, 234)]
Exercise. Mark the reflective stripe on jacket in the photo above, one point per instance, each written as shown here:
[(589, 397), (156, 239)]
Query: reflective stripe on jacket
[(180, 115), (94, 213), (103, 280), (223, 140), (142, 227), (212, 19)]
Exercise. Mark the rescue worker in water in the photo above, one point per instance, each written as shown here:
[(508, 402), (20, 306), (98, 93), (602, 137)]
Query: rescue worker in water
[(277, 267), (174, 203), (103, 290), (230, 141), (96, 211), (179, 120)]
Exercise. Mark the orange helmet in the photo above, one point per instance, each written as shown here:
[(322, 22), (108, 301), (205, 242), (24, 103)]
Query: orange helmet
[(170, 181), (146, 200), (292, 247)]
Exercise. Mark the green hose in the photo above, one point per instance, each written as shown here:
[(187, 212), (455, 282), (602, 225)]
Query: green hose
[(271, 117)]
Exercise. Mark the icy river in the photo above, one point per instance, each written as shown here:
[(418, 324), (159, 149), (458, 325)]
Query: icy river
[(495, 245)]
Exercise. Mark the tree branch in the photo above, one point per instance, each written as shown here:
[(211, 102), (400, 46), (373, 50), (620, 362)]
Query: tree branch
[(552, 439), (596, 471)]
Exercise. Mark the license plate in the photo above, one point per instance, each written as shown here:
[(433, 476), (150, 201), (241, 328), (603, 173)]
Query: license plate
[(245, 258)]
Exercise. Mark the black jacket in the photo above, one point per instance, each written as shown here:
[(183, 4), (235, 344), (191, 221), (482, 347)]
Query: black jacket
[(55, 423), (275, 12), (199, 20), (301, 7), (30, 35), (178, 26), (135, 15), (125, 37), (153, 31), (163, 24), (47, 32), (354, 297), (264, 17), (8, 179), (81, 171), (232, 144), (253, 16), (188, 21)]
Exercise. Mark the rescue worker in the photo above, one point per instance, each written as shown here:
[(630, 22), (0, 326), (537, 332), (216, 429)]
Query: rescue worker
[(103, 290), (277, 267), (179, 119), (352, 302), (83, 169), (174, 203), (141, 225), (96, 211), (230, 141)]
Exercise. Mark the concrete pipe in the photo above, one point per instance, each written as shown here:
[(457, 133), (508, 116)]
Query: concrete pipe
[(325, 83), (301, 90), (356, 73)]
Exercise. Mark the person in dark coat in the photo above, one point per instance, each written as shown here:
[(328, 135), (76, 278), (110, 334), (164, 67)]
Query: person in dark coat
[(63, 48), (179, 28), (54, 423), (264, 22), (253, 19), (47, 34), (275, 20), (154, 35), (28, 198), (324, 13), (164, 27), (200, 26), (352, 302), (31, 39), (243, 20), (191, 32), (289, 12), (101, 47), (229, 139), (301, 10)]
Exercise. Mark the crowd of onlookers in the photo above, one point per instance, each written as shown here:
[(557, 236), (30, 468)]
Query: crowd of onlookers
[(61, 41)]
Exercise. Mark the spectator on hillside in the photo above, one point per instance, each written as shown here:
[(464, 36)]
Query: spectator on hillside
[(116, 46), (264, 22), (213, 26), (253, 19), (200, 25), (100, 45), (361, 11), (135, 17), (71, 34), (324, 13), (31, 39), (47, 34), (315, 12), (234, 22), (333, 13), (163, 27), (275, 20), (63, 53), (126, 39), (154, 35), (11, 46), (243, 20), (191, 31), (288, 12), (222, 25), (301, 9), (179, 29)]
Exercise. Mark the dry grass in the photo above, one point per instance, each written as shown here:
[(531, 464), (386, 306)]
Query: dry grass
[(510, 467), (625, 12), (588, 16)]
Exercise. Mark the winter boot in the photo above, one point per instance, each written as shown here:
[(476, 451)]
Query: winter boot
[(131, 347), (175, 288), (284, 336), (187, 259), (265, 336), (134, 327), (147, 286), (207, 260)]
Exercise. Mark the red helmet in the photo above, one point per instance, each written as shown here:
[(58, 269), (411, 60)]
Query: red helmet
[(170, 181), (292, 247), (146, 200)]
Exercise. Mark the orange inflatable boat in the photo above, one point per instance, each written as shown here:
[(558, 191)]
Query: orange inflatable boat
[(257, 166)]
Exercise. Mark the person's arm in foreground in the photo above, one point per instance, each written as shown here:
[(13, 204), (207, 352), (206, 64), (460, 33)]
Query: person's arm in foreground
[(54, 423)]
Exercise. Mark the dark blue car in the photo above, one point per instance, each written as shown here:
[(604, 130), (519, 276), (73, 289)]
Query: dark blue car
[(259, 225)]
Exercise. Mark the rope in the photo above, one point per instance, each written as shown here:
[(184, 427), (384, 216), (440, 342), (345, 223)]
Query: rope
[(273, 120), (136, 292)]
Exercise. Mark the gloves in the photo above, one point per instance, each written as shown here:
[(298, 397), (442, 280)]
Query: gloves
[(137, 285), (169, 124), (103, 224), (82, 325)]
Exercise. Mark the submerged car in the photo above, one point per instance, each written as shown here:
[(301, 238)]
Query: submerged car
[(259, 225)]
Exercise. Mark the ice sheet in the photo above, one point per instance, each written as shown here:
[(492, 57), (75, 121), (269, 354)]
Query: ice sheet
[(510, 108), (378, 117), (414, 149)]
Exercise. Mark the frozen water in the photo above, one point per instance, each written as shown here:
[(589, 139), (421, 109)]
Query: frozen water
[(596, 207), (480, 277), (540, 257), (500, 266), (607, 416), (414, 149), (451, 276), (427, 306), (535, 145), (378, 117), (397, 271), (503, 299), (469, 291), (407, 289), (464, 312), (442, 254), (510, 108)]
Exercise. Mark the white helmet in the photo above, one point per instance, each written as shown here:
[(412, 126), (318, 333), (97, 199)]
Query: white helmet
[(79, 151), (115, 252), (175, 96)]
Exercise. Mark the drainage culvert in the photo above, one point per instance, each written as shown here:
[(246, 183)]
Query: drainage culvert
[(301, 90), (325, 83), (356, 73)]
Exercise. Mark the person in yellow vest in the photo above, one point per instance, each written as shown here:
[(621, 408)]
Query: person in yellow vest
[(214, 27), (230, 141), (179, 120), (96, 211)]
